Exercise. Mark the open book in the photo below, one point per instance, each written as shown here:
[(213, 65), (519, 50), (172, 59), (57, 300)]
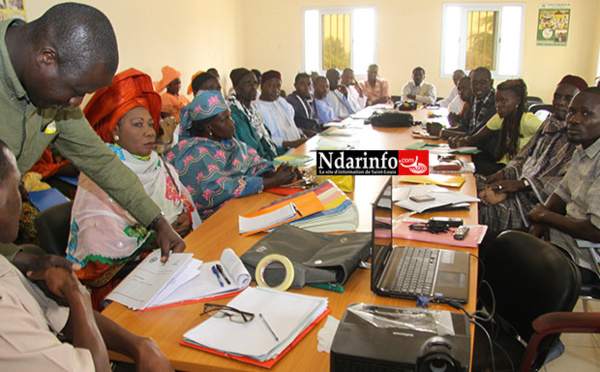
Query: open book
[(182, 279)]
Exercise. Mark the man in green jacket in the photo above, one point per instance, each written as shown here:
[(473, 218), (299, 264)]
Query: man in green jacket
[(46, 68)]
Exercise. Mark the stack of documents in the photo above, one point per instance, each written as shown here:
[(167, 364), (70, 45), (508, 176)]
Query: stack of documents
[(286, 318), (441, 197), (182, 279), (293, 208)]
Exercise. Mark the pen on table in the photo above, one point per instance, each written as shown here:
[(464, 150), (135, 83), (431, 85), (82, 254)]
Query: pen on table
[(216, 272), (297, 210), (220, 268), (268, 326)]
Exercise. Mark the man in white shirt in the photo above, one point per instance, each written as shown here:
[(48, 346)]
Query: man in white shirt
[(355, 92), (277, 112), (451, 101), (338, 97), (418, 90)]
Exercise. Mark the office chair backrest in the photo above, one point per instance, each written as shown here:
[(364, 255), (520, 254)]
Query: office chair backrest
[(53, 227), (530, 277)]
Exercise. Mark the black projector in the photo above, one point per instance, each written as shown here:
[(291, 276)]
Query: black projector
[(394, 339)]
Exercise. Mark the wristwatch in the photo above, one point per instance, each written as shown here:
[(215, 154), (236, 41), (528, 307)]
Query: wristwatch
[(526, 183)]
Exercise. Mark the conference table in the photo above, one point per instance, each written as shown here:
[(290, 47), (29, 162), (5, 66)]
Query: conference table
[(167, 326)]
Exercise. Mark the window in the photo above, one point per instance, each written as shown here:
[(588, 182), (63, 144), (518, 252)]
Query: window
[(488, 35), (339, 37)]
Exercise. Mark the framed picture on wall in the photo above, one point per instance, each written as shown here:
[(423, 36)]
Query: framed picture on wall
[(13, 9), (553, 24)]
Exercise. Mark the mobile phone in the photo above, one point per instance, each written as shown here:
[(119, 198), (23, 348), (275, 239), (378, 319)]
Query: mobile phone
[(445, 221), (461, 232), (421, 198)]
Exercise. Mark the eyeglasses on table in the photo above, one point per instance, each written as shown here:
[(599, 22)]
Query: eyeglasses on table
[(222, 311)]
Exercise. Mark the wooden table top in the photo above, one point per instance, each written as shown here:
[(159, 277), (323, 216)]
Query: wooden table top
[(167, 326)]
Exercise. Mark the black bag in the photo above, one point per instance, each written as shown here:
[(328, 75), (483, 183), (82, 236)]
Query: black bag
[(316, 257), (392, 119), (406, 106)]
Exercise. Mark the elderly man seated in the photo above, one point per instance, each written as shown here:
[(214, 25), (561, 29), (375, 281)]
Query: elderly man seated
[(277, 112), (533, 175), (418, 90)]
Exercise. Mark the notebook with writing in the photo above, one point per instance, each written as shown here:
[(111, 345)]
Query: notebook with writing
[(409, 272)]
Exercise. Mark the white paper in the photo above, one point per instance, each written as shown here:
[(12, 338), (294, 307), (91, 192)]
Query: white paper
[(206, 283), (261, 222), (288, 314), (441, 198), (139, 288)]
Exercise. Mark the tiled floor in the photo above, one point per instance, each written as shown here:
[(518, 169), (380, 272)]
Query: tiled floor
[(582, 351)]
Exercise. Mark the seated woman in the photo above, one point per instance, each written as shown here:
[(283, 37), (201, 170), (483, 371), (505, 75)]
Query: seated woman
[(104, 237), (213, 165), (515, 125)]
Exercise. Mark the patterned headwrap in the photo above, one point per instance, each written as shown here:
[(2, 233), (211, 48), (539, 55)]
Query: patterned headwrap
[(190, 89), (129, 89), (237, 74), (272, 74), (575, 81), (168, 75), (207, 104)]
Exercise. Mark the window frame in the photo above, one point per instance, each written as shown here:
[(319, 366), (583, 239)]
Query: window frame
[(337, 10), (503, 29)]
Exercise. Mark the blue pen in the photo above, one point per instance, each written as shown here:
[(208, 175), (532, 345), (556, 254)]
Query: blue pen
[(216, 272)]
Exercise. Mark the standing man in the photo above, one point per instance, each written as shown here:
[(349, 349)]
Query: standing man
[(303, 103), (418, 90), (375, 88), (570, 218), (48, 65), (338, 96)]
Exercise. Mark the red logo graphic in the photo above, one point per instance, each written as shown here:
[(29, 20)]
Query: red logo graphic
[(413, 162)]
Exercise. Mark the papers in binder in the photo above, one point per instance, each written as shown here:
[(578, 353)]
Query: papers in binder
[(288, 315), (296, 207), (181, 279)]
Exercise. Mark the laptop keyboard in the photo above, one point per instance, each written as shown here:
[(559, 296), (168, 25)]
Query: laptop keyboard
[(416, 272)]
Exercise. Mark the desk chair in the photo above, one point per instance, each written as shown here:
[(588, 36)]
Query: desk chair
[(531, 281), (541, 110), (532, 100), (53, 226)]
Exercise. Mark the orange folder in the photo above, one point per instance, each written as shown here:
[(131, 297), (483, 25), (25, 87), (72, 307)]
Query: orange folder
[(306, 204)]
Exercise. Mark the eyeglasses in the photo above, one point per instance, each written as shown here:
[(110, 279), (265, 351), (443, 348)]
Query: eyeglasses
[(222, 311)]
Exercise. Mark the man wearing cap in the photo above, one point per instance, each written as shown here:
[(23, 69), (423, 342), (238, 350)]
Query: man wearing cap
[(277, 112), (249, 124), (172, 101), (39, 98), (533, 175)]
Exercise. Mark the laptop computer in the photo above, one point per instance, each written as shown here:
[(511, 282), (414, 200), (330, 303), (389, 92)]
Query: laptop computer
[(410, 272)]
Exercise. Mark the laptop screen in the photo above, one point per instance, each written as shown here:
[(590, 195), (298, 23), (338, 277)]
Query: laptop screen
[(381, 230)]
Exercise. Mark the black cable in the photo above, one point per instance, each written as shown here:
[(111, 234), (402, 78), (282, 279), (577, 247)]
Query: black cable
[(489, 342)]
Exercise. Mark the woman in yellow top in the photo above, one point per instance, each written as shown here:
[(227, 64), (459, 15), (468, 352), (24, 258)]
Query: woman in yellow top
[(515, 125), (172, 101)]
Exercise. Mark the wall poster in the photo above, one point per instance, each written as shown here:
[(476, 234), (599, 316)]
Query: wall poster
[(13, 9), (553, 24)]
